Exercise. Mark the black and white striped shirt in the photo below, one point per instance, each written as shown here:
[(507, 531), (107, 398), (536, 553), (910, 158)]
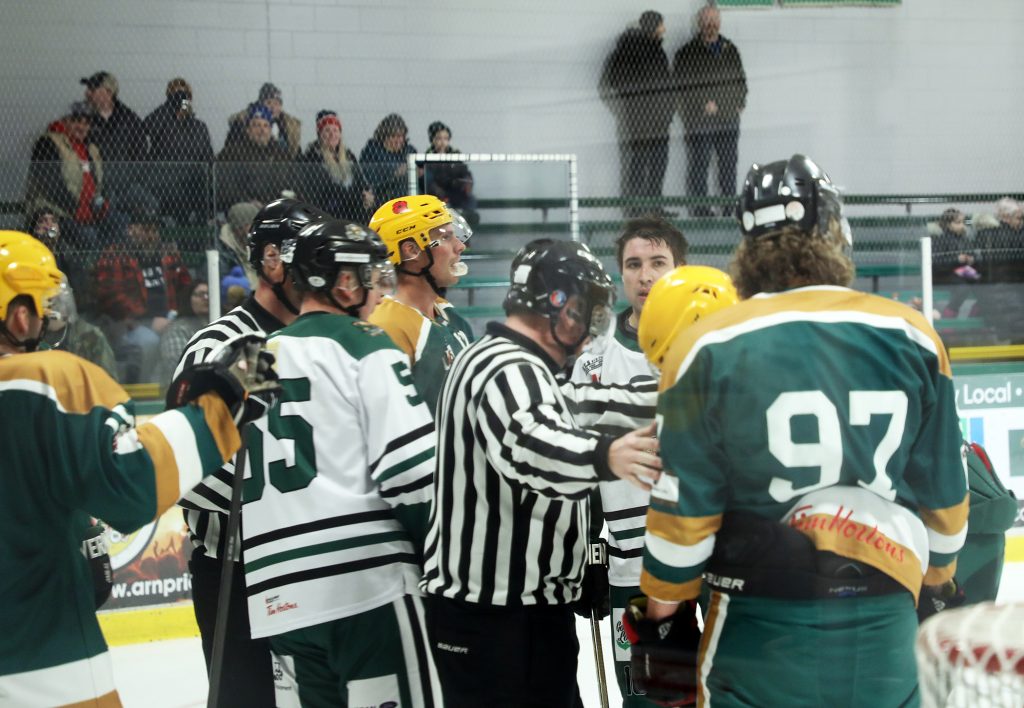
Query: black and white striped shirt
[(206, 506), (514, 472)]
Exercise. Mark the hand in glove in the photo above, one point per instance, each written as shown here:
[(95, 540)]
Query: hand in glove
[(664, 653), (594, 598)]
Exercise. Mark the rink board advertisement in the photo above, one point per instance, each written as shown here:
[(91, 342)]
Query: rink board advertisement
[(151, 565)]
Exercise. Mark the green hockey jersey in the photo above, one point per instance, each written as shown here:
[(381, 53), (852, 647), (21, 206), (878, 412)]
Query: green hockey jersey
[(430, 344), (821, 407), (71, 450)]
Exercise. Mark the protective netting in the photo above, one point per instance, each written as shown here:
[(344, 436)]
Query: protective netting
[(138, 136), (972, 657)]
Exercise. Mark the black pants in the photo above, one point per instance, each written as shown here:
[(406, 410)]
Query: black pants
[(504, 657), (642, 165), (699, 146), (247, 677)]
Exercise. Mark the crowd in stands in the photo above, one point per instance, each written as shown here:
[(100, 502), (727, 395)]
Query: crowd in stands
[(128, 204)]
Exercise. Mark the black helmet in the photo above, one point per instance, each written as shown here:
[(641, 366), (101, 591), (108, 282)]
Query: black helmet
[(789, 192), (323, 248), (546, 273), (279, 220)]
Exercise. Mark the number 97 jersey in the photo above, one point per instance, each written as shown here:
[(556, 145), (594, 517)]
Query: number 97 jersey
[(821, 407), (339, 480)]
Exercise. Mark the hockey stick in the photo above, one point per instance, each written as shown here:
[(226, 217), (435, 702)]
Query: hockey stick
[(595, 636), (227, 570)]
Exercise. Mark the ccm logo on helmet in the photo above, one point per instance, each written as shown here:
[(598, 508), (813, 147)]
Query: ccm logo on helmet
[(407, 228)]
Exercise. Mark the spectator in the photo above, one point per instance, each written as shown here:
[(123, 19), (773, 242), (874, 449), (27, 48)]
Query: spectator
[(193, 309), (285, 129), (66, 175), (66, 330), (383, 158), (137, 286), (952, 261), (255, 168), (116, 130), (451, 182), (1001, 264), (712, 93), (331, 177), (636, 84), (177, 137), (233, 236)]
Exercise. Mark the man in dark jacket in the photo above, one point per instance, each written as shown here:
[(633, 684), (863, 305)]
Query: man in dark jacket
[(255, 169), (636, 85), (116, 130), (712, 90), (180, 139), (1001, 264)]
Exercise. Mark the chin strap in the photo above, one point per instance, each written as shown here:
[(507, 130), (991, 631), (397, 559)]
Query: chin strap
[(26, 345), (569, 349), (425, 273)]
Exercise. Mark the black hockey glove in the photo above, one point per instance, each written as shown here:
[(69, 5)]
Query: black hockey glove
[(240, 371), (936, 598), (594, 598), (96, 550), (664, 653)]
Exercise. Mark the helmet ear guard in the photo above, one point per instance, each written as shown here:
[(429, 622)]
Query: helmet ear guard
[(794, 192)]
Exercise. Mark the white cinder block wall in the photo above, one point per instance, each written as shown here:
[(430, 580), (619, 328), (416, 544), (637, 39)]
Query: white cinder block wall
[(924, 97)]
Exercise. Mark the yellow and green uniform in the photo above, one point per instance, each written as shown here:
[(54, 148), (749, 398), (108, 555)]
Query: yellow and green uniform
[(832, 411), (430, 344), (71, 450)]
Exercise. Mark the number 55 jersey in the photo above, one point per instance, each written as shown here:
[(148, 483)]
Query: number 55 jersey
[(823, 408), (339, 479)]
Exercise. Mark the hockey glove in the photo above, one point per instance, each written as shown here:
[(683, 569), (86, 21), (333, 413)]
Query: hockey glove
[(936, 598), (96, 550), (240, 371), (664, 653), (594, 598)]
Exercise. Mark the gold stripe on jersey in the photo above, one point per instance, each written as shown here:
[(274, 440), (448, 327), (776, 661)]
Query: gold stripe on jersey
[(949, 522), (107, 700), (165, 465), (401, 322), (669, 592), (682, 530), (79, 385), (221, 423), (709, 642), (817, 302)]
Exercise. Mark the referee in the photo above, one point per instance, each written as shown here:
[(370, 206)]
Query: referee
[(506, 549), (247, 678)]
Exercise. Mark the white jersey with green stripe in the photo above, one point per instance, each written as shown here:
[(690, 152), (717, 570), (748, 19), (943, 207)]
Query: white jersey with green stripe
[(72, 451), (615, 358), (338, 478), (823, 408)]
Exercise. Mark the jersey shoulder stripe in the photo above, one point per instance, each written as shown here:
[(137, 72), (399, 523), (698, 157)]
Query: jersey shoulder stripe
[(819, 305), (74, 384)]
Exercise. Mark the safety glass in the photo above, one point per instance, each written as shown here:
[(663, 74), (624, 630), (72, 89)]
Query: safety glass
[(378, 276), (459, 228)]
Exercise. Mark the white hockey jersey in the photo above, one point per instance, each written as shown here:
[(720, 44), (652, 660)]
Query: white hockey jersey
[(615, 358), (338, 480)]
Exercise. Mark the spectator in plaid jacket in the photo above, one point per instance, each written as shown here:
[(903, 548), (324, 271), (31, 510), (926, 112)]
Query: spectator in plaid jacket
[(137, 286)]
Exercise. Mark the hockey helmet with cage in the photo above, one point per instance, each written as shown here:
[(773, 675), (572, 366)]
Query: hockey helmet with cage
[(413, 217), (279, 220), (546, 274), (793, 192), (324, 248), (677, 300)]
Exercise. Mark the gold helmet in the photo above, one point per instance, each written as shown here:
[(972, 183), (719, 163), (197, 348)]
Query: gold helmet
[(27, 267), (678, 299), (413, 217)]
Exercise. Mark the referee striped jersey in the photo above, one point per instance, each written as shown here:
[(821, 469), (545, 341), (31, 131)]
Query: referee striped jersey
[(206, 506), (514, 472)]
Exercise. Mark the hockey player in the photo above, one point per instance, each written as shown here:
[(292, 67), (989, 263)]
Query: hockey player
[(813, 474), (425, 240), (337, 499), (506, 549), (72, 450), (647, 249), (247, 677)]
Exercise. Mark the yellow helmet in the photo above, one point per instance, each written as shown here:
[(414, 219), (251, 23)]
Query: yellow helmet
[(678, 299), (413, 217), (27, 267)]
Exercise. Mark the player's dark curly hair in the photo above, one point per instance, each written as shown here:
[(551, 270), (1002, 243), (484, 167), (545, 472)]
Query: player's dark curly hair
[(788, 258)]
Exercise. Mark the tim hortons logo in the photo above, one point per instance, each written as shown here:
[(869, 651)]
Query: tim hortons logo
[(841, 524)]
